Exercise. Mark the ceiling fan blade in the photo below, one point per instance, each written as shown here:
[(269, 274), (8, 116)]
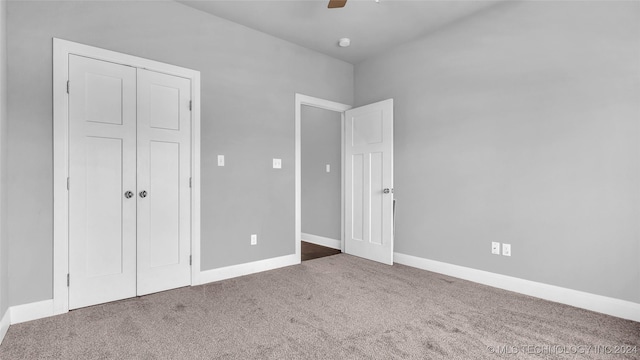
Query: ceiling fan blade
[(337, 4)]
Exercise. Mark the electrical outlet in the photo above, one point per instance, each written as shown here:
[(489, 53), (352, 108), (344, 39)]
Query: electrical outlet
[(495, 248), (254, 239), (220, 160), (328, 168), (506, 249), (277, 163)]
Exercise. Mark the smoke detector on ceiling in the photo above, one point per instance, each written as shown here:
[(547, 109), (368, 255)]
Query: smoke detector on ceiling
[(344, 42)]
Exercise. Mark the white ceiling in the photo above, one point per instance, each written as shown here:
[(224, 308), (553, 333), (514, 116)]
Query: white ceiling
[(372, 27)]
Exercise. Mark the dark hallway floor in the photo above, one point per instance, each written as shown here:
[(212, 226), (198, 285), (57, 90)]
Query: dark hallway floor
[(312, 251)]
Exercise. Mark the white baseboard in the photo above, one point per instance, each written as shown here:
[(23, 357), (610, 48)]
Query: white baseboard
[(323, 241), (31, 311), (602, 304), (42, 309), (229, 272), (4, 324)]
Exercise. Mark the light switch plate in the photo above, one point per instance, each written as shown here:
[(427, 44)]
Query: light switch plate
[(277, 163), (495, 248), (328, 168), (220, 160), (506, 249)]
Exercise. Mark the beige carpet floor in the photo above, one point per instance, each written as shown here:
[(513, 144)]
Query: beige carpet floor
[(337, 307)]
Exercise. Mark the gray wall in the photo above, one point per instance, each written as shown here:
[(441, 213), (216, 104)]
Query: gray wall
[(4, 259), (321, 191), (248, 85), (520, 124)]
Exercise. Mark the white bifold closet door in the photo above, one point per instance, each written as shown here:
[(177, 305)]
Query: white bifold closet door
[(129, 169)]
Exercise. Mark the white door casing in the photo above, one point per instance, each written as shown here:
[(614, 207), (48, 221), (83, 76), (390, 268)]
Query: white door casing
[(102, 166), (102, 176), (163, 182), (369, 181), (300, 101)]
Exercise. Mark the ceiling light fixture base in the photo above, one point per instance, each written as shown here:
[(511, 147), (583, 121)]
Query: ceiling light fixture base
[(344, 42)]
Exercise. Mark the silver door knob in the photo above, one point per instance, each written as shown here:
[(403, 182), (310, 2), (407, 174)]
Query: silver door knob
[(128, 194), (386, 191), (143, 194)]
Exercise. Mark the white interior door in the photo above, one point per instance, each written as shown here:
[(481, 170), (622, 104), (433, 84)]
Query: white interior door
[(369, 181), (164, 157), (102, 169)]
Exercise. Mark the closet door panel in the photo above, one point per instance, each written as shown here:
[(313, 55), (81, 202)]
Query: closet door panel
[(102, 169), (164, 132)]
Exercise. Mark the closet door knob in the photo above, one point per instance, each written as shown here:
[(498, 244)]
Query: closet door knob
[(143, 194), (128, 194)]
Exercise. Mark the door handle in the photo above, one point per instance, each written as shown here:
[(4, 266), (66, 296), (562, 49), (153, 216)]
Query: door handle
[(128, 194), (143, 194), (387, 191)]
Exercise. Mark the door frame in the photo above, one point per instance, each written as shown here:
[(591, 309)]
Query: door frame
[(61, 51), (305, 100)]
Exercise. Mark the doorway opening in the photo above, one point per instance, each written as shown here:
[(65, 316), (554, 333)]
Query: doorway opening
[(321, 172), (366, 190), (319, 177)]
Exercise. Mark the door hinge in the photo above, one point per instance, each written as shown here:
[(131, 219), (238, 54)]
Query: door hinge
[(190, 105), (190, 256), (189, 182), (67, 86), (67, 183), (68, 280)]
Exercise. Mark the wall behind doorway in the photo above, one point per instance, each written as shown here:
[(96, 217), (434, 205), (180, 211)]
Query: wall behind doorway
[(321, 196)]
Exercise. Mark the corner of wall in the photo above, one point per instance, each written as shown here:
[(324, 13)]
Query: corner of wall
[(4, 308), (5, 321)]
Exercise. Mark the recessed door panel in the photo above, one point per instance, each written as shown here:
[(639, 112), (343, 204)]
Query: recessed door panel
[(103, 101), (367, 128), (165, 112), (376, 197), (164, 205), (104, 201), (358, 195), (102, 168)]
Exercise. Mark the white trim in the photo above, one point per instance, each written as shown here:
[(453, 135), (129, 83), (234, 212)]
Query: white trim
[(247, 268), (60, 171), (31, 311), (602, 304), (195, 179), (322, 104), (4, 324), (323, 241), (61, 51)]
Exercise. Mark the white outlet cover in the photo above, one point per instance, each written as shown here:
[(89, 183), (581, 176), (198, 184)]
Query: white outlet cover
[(495, 248), (220, 160), (277, 163), (328, 168), (506, 249), (254, 239)]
